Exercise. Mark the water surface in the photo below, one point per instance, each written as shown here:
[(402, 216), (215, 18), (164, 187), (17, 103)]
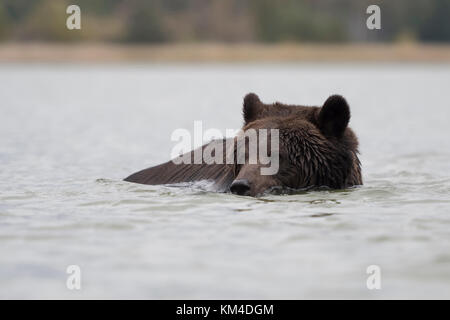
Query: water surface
[(70, 133)]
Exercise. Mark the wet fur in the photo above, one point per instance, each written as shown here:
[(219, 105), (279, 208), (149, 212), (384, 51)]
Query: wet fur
[(316, 149), (169, 173)]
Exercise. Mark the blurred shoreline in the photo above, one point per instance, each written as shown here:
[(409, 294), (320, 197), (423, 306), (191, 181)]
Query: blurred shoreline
[(220, 52)]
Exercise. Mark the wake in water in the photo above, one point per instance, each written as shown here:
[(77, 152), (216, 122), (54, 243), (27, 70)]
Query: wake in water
[(210, 186)]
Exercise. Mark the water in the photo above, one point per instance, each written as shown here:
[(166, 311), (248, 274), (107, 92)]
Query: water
[(70, 133)]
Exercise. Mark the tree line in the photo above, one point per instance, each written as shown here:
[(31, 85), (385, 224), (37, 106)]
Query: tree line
[(270, 21)]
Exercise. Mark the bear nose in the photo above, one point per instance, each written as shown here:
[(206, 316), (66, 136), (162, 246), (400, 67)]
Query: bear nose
[(240, 187)]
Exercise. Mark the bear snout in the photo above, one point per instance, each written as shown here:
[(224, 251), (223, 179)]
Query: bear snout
[(240, 187)]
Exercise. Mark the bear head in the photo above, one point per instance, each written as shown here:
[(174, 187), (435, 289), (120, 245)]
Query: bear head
[(316, 148)]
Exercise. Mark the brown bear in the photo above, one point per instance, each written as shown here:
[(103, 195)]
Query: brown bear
[(316, 148)]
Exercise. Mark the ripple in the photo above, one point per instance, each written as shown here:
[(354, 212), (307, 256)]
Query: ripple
[(321, 215)]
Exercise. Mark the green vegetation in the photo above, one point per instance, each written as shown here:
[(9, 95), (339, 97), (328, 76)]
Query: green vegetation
[(156, 21)]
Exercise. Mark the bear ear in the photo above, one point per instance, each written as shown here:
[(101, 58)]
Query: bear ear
[(334, 116), (251, 109)]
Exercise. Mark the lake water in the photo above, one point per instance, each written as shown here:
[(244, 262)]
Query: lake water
[(70, 133)]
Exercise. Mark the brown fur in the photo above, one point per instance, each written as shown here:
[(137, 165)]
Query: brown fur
[(316, 149), (169, 173)]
